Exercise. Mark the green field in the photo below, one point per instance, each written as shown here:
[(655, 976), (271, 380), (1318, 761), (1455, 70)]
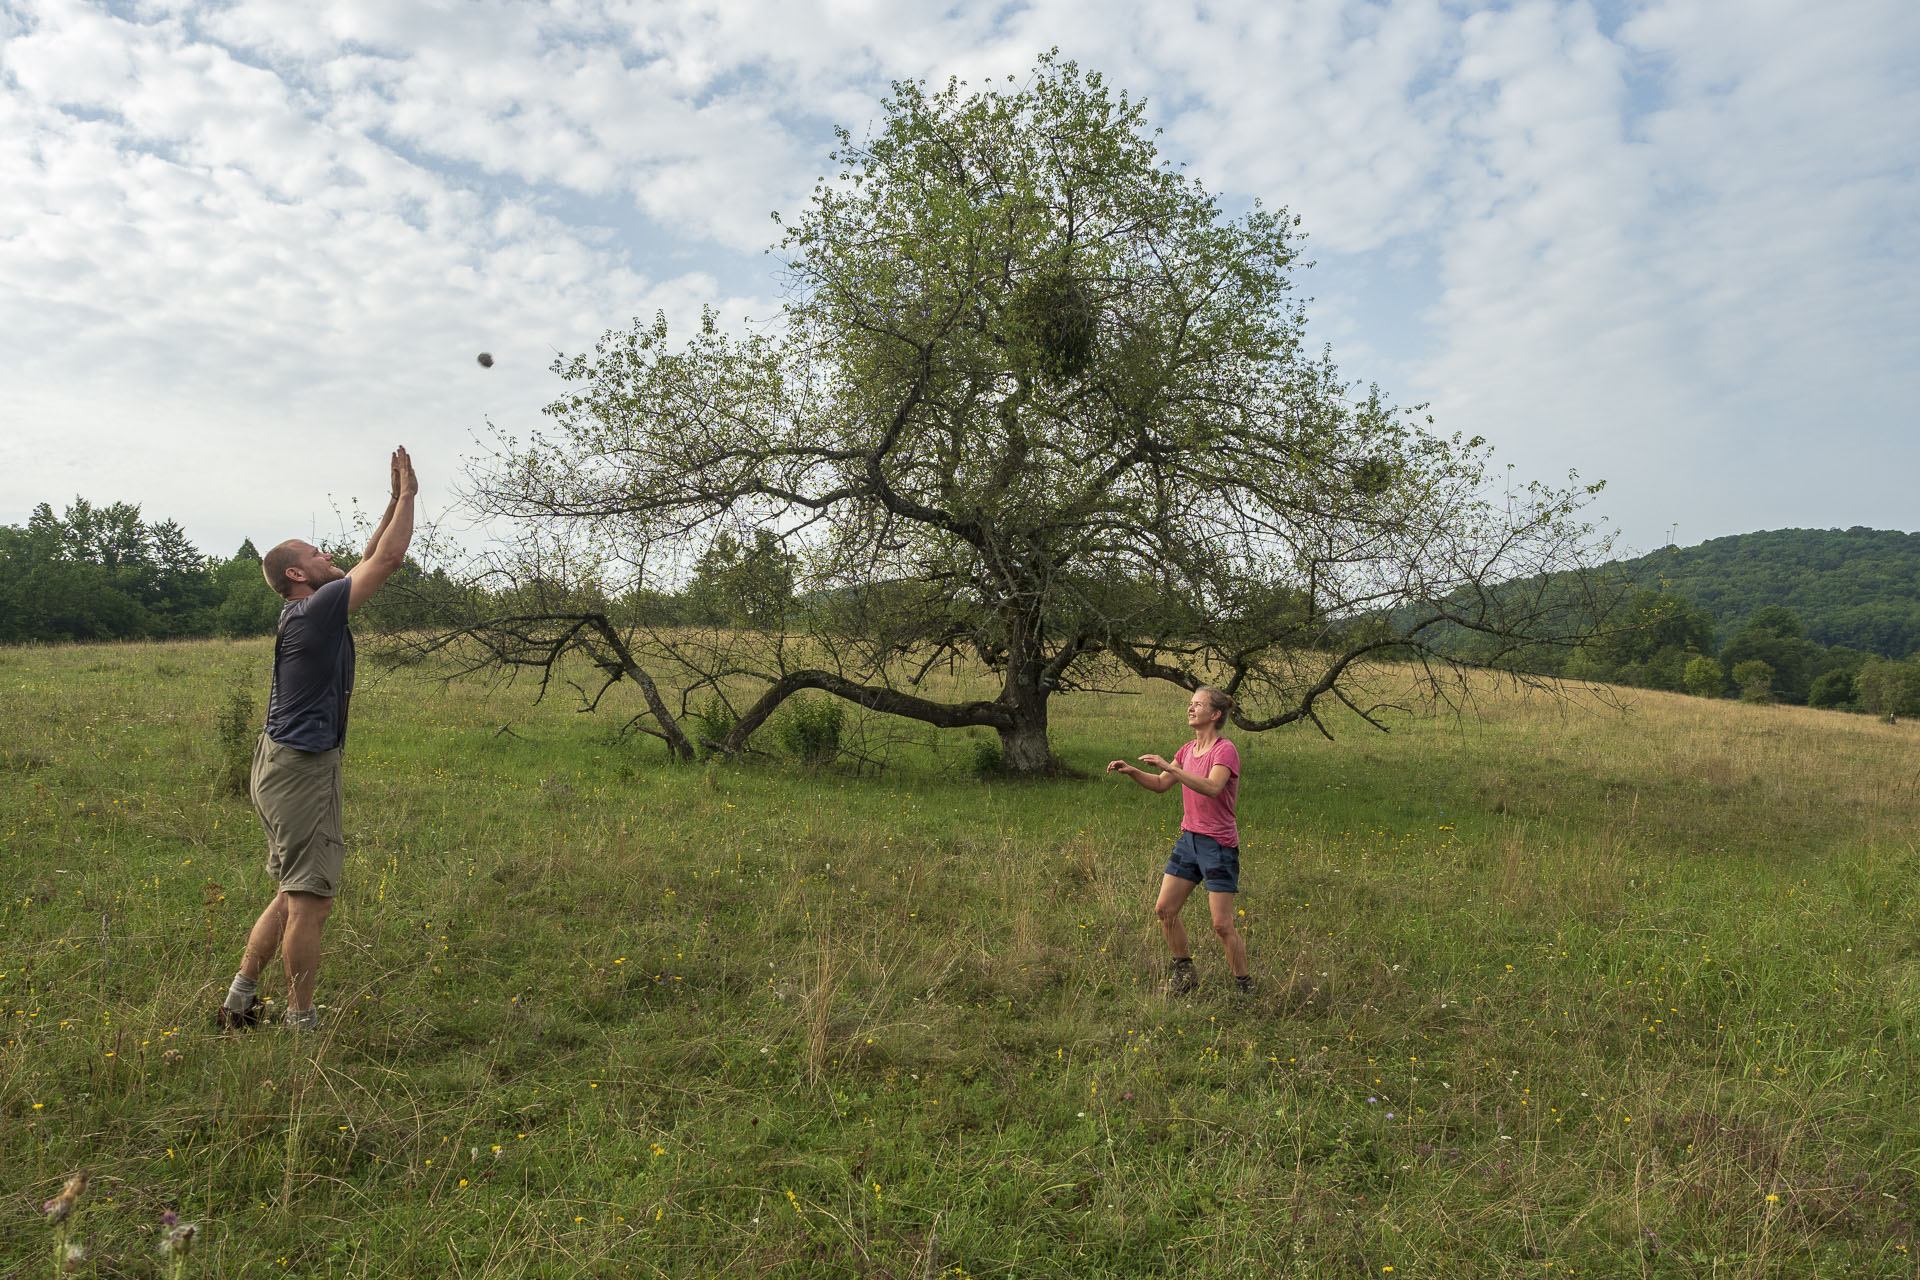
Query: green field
[(1550, 988)]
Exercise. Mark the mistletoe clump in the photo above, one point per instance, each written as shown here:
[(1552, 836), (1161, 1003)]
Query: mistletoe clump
[(1373, 477), (1057, 319)]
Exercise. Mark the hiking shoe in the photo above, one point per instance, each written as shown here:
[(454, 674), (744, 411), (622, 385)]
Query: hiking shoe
[(239, 1019), (1181, 979)]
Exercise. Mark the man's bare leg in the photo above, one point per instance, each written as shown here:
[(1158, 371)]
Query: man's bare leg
[(306, 915), (241, 1007), (290, 927), (264, 942)]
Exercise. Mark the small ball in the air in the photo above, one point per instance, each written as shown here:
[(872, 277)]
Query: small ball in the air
[(486, 359)]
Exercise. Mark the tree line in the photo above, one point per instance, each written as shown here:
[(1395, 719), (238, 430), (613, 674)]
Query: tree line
[(105, 573), (1661, 640)]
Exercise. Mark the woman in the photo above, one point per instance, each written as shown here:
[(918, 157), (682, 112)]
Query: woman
[(1208, 850)]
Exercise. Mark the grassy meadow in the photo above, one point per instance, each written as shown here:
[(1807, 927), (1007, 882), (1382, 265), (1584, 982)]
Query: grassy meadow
[(1551, 988)]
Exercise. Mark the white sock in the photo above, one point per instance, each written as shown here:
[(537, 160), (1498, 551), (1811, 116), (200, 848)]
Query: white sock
[(240, 994)]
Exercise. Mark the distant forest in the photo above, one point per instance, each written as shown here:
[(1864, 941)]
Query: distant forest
[(1822, 617), (1819, 617), (105, 573), (1858, 588)]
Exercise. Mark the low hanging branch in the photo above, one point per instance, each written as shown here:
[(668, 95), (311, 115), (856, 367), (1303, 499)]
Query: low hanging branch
[(541, 641)]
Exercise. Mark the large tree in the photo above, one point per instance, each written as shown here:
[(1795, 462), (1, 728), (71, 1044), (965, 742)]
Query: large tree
[(1035, 401)]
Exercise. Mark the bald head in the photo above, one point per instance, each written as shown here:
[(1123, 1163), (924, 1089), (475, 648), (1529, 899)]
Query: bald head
[(295, 568), (277, 561)]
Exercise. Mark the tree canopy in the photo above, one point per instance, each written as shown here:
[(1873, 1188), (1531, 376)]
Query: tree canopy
[(103, 573), (1034, 401)]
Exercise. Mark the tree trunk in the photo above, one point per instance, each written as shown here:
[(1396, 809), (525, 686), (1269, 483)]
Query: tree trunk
[(1023, 748), (1023, 744), (1023, 739)]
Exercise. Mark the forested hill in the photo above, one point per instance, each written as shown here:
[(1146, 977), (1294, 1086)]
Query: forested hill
[(1854, 587)]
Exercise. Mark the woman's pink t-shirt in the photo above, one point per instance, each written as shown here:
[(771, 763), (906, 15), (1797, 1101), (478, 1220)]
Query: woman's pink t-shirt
[(1211, 817)]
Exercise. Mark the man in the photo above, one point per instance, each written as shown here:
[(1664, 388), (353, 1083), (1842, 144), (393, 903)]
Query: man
[(296, 763)]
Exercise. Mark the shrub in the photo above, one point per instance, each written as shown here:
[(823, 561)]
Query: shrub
[(988, 760), (236, 730), (1833, 690), (1702, 678), (712, 721), (1755, 679), (1889, 689), (810, 729)]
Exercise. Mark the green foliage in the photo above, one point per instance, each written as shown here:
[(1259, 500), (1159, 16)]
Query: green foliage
[(713, 720), (1373, 477), (1833, 689), (1773, 636), (985, 758), (1754, 679), (1657, 640), (1858, 587), (810, 728), (100, 573), (1052, 316), (1889, 689), (248, 606), (236, 729), (1703, 678), (1641, 638), (742, 584)]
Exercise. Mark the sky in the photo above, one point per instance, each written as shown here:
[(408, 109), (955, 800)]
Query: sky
[(247, 247)]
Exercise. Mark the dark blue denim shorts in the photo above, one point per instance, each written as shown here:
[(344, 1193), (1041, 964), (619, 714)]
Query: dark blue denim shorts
[(1197, 858)]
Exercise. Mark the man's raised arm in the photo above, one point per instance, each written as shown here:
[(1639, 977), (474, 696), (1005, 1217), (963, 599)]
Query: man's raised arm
[(388, 547), (393, 500)]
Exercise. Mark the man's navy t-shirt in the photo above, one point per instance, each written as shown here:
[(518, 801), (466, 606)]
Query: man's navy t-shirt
[(312, 671)]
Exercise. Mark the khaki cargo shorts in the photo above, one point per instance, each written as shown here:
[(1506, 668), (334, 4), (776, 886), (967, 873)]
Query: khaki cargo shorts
[(297, 794)]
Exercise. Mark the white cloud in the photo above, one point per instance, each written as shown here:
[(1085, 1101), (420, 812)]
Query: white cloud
[(1676, 251), (1662, 295)]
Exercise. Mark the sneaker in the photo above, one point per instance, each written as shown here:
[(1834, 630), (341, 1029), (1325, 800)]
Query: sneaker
[(1181, 979), (239, 1019)]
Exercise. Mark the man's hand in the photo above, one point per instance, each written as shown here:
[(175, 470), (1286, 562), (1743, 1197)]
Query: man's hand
[(388, 547)]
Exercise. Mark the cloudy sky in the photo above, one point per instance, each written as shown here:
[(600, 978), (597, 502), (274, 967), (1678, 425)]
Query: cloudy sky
[(246, 246)]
